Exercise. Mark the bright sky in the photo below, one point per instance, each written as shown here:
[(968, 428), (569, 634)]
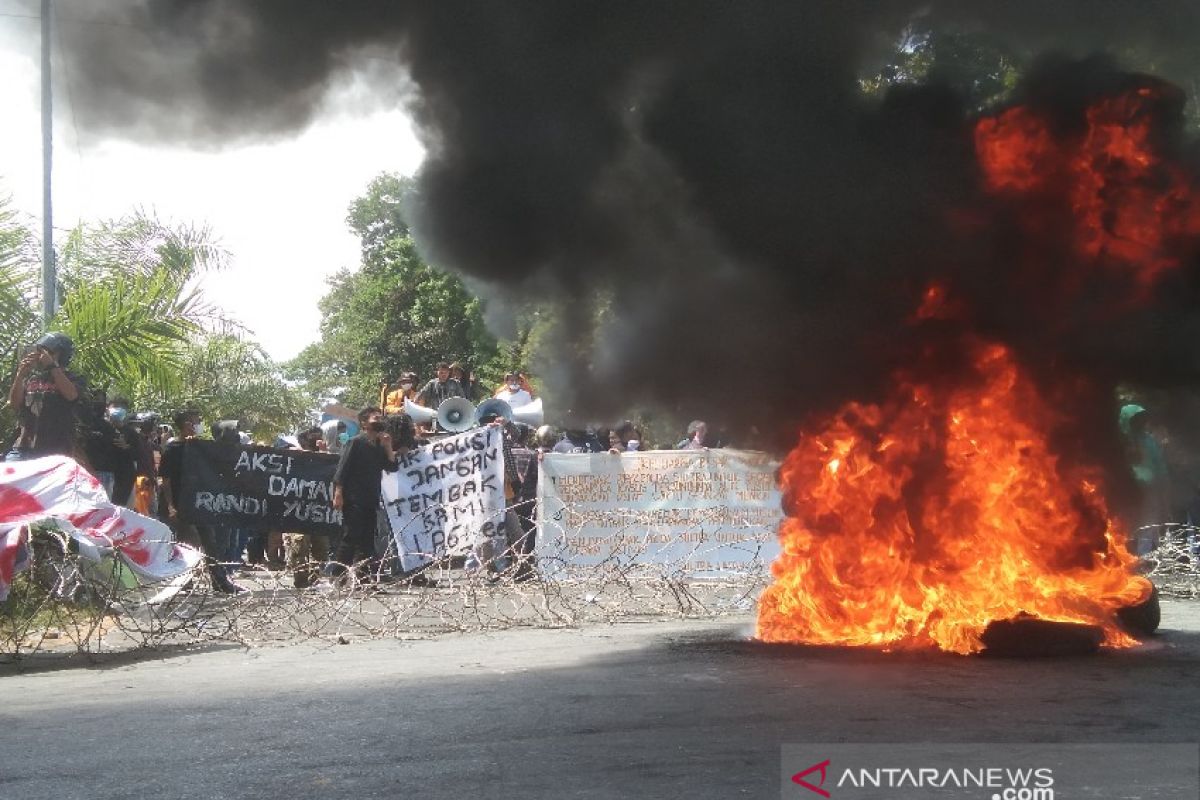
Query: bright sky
[(278, 208)]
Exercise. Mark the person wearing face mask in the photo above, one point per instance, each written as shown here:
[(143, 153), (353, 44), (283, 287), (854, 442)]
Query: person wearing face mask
[(407, 390), (357, 489), (129, 451), (109, 456), (213, 541), (512, 392)]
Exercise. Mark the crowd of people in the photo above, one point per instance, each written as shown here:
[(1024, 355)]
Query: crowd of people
[(138, 460)]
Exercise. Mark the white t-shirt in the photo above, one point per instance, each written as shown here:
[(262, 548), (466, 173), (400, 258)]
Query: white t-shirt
[(515, 399)]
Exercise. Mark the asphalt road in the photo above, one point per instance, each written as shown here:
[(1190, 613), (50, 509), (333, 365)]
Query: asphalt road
[(670, 710)]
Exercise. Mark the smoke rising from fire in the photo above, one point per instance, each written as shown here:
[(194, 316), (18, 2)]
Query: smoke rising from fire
[(761, 230)]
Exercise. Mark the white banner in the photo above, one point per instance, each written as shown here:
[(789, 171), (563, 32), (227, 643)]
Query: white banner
[(695, 513), (448, 499), (57, 488)]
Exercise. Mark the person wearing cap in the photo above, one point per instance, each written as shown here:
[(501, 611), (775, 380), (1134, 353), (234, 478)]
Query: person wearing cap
[(512, 392), (46, 398), (393, 402)]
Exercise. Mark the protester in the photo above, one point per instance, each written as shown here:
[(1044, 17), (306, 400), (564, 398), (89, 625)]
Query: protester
[(109, 455), (524, 506), (394, 401), (333, 432), (523, 379), (579, 440), (145, 487), (306, 553), (46, 396), (439, 388), (512, 393), (405, 438), (1150, 472), (625, 438), (357, 489), (129, 464), (697, 436), (466, 379), (546, 438), (213, 541)]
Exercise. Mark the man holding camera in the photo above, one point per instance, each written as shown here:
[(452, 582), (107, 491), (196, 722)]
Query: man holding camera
[(357, 487), (45, 396)]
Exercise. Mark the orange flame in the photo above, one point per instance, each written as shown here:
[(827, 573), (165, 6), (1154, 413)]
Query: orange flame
[(919, 521), (1128, 204)]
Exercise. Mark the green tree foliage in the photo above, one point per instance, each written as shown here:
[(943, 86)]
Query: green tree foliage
[(141, 327), (18, 299), (227, 377), (128, 301), (395, 313)]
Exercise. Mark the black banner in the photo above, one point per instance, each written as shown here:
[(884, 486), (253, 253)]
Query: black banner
[(259, 487)]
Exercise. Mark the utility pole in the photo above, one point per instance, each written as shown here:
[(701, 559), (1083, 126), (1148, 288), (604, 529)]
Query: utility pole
[(49, 275)]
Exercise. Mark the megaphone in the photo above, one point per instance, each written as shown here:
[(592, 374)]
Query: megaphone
[(529, 414), (420, 414), (493, 408), (456, 414)]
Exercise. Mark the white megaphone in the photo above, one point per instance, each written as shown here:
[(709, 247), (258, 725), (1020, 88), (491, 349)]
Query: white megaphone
[(529, 414), (456, 414), (420, 414)]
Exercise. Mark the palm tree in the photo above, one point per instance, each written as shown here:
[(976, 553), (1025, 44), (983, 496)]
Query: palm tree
[(130, 304), (18, 287)]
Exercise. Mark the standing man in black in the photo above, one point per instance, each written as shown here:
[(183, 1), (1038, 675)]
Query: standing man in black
[(46, 398), (357, 489), (440, 388), (214, 540)]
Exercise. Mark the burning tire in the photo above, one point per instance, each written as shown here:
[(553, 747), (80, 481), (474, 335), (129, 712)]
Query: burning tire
[(1141, 619)]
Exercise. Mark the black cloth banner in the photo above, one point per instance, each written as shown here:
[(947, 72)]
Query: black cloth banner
[(259, 487)]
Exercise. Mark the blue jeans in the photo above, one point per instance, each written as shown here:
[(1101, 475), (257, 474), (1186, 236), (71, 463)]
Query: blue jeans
[(17, 454)]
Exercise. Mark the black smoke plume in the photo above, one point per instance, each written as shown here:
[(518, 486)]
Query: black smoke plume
[(758, 227)]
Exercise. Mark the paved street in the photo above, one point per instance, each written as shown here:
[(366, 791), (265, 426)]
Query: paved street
[(666, 710)]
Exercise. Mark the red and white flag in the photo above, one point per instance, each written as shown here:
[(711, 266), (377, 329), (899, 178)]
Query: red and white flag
[(57, 488)]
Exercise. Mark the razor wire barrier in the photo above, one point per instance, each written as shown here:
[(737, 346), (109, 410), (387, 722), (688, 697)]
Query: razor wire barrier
[(66, 604), (1174, 564)]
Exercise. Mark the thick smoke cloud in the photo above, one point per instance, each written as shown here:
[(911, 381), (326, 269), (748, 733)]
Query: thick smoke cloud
[(761, 229)]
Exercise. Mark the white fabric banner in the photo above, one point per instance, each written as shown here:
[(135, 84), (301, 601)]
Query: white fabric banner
[(57, 488), (448, 499), (694, 513)]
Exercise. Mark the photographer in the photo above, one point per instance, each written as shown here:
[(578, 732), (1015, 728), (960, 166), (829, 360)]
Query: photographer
[(45, 396)]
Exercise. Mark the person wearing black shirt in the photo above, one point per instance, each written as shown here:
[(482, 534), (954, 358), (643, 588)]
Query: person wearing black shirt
[(357, 486), (214, 541), (440, 388), (129, 450), (46, 398)]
